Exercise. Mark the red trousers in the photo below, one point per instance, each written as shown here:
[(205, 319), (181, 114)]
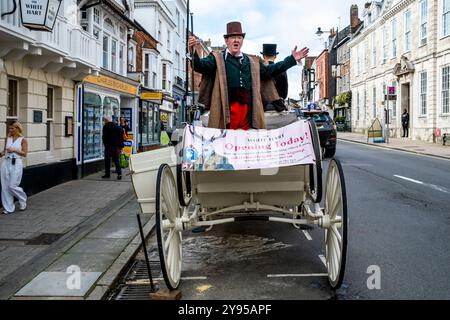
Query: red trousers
[(239, 116)]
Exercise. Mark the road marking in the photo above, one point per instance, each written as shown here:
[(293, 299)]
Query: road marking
[(322, 258), (432, 186), (307, 235), (297, 275), (185, 278)]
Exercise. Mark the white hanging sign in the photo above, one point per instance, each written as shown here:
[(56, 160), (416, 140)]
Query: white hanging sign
[(39, 14)]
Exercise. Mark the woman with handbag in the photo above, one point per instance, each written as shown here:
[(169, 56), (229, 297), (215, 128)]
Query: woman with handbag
[(16, 147)]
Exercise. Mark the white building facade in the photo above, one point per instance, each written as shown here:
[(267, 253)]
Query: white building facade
[(164, 20), (38, 72), (405, 44)]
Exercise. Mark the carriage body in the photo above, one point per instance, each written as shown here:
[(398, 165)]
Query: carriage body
[(184, 200)]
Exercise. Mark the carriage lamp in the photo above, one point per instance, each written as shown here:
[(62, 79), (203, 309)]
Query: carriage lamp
[(37, 14)]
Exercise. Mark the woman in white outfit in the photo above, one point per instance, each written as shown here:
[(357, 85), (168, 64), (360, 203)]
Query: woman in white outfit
[(16, 147)]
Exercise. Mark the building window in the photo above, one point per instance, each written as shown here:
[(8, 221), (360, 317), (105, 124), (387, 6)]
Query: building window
[(178, 61), (408, 30), (96, 33), (121, 54), (358, 103), (394, 37), (168, 40), (146, 70), (122, 34), (423, 93), (178, 21), (385, 43), (159, 30), (154, 80), (113, 55), (130, 59), (358, 60), (446, 18), (423, 22), (109, 25), (445, 89), (105, 52), (374, 50), (96, 16), (50, 109), (374, 102), (13, 98), (164, 77)]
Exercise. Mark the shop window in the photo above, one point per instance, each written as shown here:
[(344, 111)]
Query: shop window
[(92, 127), (13, 98), (148, 133), (50, 111)]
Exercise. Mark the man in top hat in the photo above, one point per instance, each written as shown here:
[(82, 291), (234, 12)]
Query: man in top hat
[(231, 82), (281, 81)]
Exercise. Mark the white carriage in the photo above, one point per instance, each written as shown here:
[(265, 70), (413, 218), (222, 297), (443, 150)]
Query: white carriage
[(183, 200)]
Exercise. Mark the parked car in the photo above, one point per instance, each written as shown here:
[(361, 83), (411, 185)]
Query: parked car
[(326, 128)]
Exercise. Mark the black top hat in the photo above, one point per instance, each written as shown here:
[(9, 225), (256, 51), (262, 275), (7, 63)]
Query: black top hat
[(269, 49), (234, 29)]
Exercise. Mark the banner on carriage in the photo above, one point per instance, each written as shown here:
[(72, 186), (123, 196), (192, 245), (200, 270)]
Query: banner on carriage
[(206, 149)]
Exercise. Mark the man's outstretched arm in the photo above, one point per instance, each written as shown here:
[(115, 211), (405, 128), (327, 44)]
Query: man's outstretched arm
[(275, 69), (206, 65)]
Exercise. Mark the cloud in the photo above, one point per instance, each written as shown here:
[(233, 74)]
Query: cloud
[(285, 22)]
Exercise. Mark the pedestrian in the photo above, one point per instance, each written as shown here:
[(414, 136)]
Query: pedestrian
[(276, 102), (232, 92), (16, 147), (113, 141), (405, 123)]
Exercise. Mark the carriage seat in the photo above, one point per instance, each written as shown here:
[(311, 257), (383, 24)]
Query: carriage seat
[(276, 120)]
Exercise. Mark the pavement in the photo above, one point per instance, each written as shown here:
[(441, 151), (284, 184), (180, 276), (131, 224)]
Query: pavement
[(402, 144), (75, 240), (72, 242)]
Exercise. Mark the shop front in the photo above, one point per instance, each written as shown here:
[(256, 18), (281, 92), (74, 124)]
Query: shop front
[(149, 120), (101, 96), (168, 117)]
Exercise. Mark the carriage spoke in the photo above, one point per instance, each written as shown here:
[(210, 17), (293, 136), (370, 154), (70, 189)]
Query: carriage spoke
[(336, 234), (334, 258), (169, 239)]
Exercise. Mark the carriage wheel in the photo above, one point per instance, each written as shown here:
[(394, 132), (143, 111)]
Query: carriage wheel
[(336, 235), (169, 240), (183, 186)]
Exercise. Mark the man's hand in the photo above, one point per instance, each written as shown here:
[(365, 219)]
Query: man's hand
[(299, 55), (193, 42)]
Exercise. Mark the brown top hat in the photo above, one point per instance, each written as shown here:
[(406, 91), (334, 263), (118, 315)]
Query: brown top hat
[(234, 29)]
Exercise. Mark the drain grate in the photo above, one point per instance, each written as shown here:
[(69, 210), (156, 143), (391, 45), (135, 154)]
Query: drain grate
[(44, 239), (134, 292), (138, 271)]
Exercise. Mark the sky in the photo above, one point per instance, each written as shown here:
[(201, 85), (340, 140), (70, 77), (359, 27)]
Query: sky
[(285, 22)]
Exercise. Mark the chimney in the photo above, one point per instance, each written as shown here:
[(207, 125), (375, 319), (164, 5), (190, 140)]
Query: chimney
[(354, 19)]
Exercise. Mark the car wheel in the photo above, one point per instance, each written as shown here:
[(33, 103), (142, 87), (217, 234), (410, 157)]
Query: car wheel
[(329, 152)]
